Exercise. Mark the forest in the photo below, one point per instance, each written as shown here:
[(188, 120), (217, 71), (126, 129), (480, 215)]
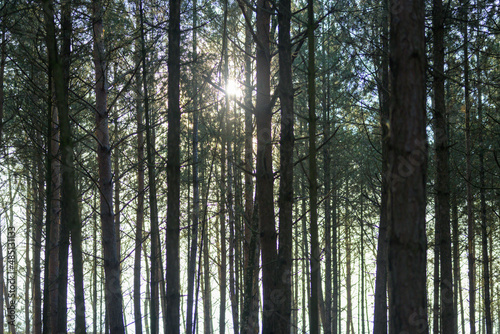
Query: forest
[(250, 166)]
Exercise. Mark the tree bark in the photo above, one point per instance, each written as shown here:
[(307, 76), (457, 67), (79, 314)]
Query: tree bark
[(407, 169), (447, 314), (264, 168), (139, 229), (313, 183), (113, 295), (285, 201), (173, 169), (380, 312)]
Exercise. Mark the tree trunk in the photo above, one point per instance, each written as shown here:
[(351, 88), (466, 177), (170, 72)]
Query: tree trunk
[(407, 169), (250, 312), (442, 173), (37, 241), (482, 191), (264, 168), (173, 169), (29, 202), (285, 201), (468, 149), (380, 312), (313, 182), (113, 295), (139, 229), (190, 323)]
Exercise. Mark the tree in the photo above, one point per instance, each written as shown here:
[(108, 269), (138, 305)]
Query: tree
[(407, 168), (113, 294), (173, 168)]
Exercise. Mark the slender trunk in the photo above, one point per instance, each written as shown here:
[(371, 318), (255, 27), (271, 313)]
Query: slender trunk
[(37, 242), (435, 304), (29, 277), (482, 191), (349, 326), (173, 169), (380, 312), (153, 206), (54, 214), (59, 65), (207, 295), (284, 281), (190, 323), (456, 256), (264, 168), (250, 313), (468, 149), (442, 173), (407, 169), (94, 267), (313, 182), (113, 295), (139, 229)]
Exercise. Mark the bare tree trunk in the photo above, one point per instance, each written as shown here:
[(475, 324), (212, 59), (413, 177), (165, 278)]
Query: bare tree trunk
[(380, 312), (113, 295), (139, 229), (173, 169), (442, 173), (29, 276), (190, 323), (407, 169), (250, 313), (285, 201), (468, 149), (313, 183), (37, 241), (264, 168)]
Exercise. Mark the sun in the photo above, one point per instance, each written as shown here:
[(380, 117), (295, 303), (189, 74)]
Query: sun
[(233, 88)]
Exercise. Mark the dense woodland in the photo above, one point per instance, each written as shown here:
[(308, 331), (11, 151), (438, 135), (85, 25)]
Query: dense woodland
[(250, 166)]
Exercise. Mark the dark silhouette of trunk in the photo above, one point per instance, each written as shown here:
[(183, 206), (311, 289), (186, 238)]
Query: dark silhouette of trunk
[(456, 256), (380, 312), (285, 202), (482, 194), (113, 295), (313, 182), (59, 64), (468, 148), (442, 174), (407, 169), (190, 322), (39, 197), (29, 215), (54, 221), (154, 306), (264, 168), (139, 229), (173, 169), (250, 312)]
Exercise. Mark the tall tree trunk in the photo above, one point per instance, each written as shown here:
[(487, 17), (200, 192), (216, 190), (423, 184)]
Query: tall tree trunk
[(190, 323), (380, 312), (482, 191), (54, 220), (153, 206), (37, 240), (29, 276), (407, 169), (264, 168), (285, 201), (456, 256), (468, 149), (442, 173), (139, 229), (59, 65), (313, 182), (113, 295), (173, 168), (250, 312)]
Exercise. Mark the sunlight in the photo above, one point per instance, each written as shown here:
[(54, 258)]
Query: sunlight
[(233, 88)]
